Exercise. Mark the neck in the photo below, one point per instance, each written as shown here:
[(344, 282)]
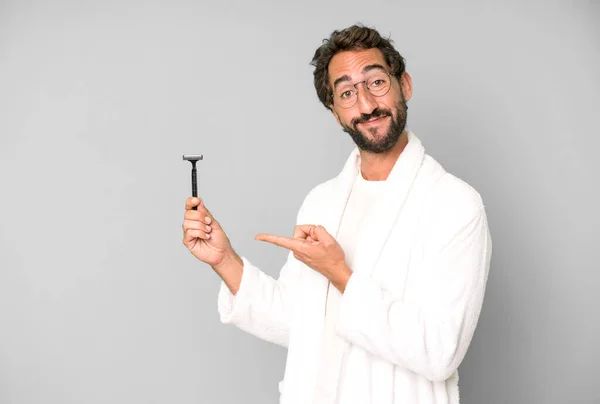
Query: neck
[(377, 166)]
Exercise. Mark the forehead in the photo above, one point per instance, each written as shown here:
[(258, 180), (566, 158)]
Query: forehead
[(352, 63)]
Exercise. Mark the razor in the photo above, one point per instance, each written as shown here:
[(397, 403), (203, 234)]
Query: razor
[(193, 158)]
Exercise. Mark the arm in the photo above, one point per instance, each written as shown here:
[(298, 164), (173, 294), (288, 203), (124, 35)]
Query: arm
[(428, 332), (256, 302), (262, 306)]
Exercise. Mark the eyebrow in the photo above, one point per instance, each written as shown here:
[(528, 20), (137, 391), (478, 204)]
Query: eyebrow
[(365, 69)]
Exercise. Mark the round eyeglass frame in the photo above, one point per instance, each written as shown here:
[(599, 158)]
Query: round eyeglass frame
[(368, 89)]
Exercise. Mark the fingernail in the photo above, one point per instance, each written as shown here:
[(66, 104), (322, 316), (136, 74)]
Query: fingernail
[(207, 228), (208, 220)]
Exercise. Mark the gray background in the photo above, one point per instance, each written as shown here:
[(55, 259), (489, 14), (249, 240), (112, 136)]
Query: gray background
[(101, 303)]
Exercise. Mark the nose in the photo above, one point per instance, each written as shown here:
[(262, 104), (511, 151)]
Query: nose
[(366, 101)]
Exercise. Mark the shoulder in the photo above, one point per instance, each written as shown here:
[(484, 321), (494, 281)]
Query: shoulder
[(453, 199), (321, 191), (457, 193), (317, 196)]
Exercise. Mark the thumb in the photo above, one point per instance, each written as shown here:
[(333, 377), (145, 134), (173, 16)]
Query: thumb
[(303, 230)]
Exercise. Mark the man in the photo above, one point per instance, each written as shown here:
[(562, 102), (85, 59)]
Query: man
[(384, 283)]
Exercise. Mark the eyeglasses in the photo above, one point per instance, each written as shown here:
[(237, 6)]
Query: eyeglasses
[(378, 85)]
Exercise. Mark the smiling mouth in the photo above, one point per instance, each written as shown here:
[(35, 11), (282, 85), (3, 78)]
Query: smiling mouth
[(373, 120)]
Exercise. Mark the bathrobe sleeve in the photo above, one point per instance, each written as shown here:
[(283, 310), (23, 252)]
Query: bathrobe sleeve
[(429, 330), (263, 305)]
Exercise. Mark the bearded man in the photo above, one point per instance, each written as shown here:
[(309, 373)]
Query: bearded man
[(388, 264)]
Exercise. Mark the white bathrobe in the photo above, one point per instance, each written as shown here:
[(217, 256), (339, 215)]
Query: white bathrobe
[(411, 305)]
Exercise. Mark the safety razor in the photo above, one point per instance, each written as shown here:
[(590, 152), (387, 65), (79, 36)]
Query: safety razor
[(193, 158)]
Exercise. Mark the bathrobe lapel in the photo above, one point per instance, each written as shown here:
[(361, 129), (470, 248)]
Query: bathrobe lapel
[(383, 216), (302, 363), (397, 208), (379, 221)]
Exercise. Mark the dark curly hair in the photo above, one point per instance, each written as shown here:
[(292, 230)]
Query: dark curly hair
[(356, 37)]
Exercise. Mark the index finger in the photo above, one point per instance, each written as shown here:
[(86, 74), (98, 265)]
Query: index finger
[(295, 245)]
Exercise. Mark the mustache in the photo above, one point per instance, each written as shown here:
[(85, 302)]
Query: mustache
[(377, 113)]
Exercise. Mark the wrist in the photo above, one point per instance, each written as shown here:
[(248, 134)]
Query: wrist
[(229, 259), (230, 270), (342, 277)]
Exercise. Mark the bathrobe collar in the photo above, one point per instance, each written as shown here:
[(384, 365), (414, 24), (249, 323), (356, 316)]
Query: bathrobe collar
[(379, 221)]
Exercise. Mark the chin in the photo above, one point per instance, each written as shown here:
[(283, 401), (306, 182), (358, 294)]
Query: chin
[(376, 132)]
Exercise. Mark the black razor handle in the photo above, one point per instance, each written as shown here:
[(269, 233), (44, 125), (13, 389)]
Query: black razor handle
[(194, 184)]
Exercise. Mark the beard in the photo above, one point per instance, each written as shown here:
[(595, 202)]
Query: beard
[(390, 138)]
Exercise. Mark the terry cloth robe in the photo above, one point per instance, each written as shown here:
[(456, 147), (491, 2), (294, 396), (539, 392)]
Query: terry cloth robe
[(411, 305)]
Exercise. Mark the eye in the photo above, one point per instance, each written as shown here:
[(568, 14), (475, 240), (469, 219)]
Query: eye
[(346, 94), (378, 82)]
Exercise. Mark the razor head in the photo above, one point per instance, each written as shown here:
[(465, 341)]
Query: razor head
[(193, 157)]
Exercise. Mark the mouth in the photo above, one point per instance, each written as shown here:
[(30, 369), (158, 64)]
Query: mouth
[(373, 121)]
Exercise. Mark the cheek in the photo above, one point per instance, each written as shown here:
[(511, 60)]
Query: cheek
[(344, 117), (347, 119), (388, 103)]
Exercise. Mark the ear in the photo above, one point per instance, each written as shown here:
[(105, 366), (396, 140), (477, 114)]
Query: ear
[(406, 85)]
